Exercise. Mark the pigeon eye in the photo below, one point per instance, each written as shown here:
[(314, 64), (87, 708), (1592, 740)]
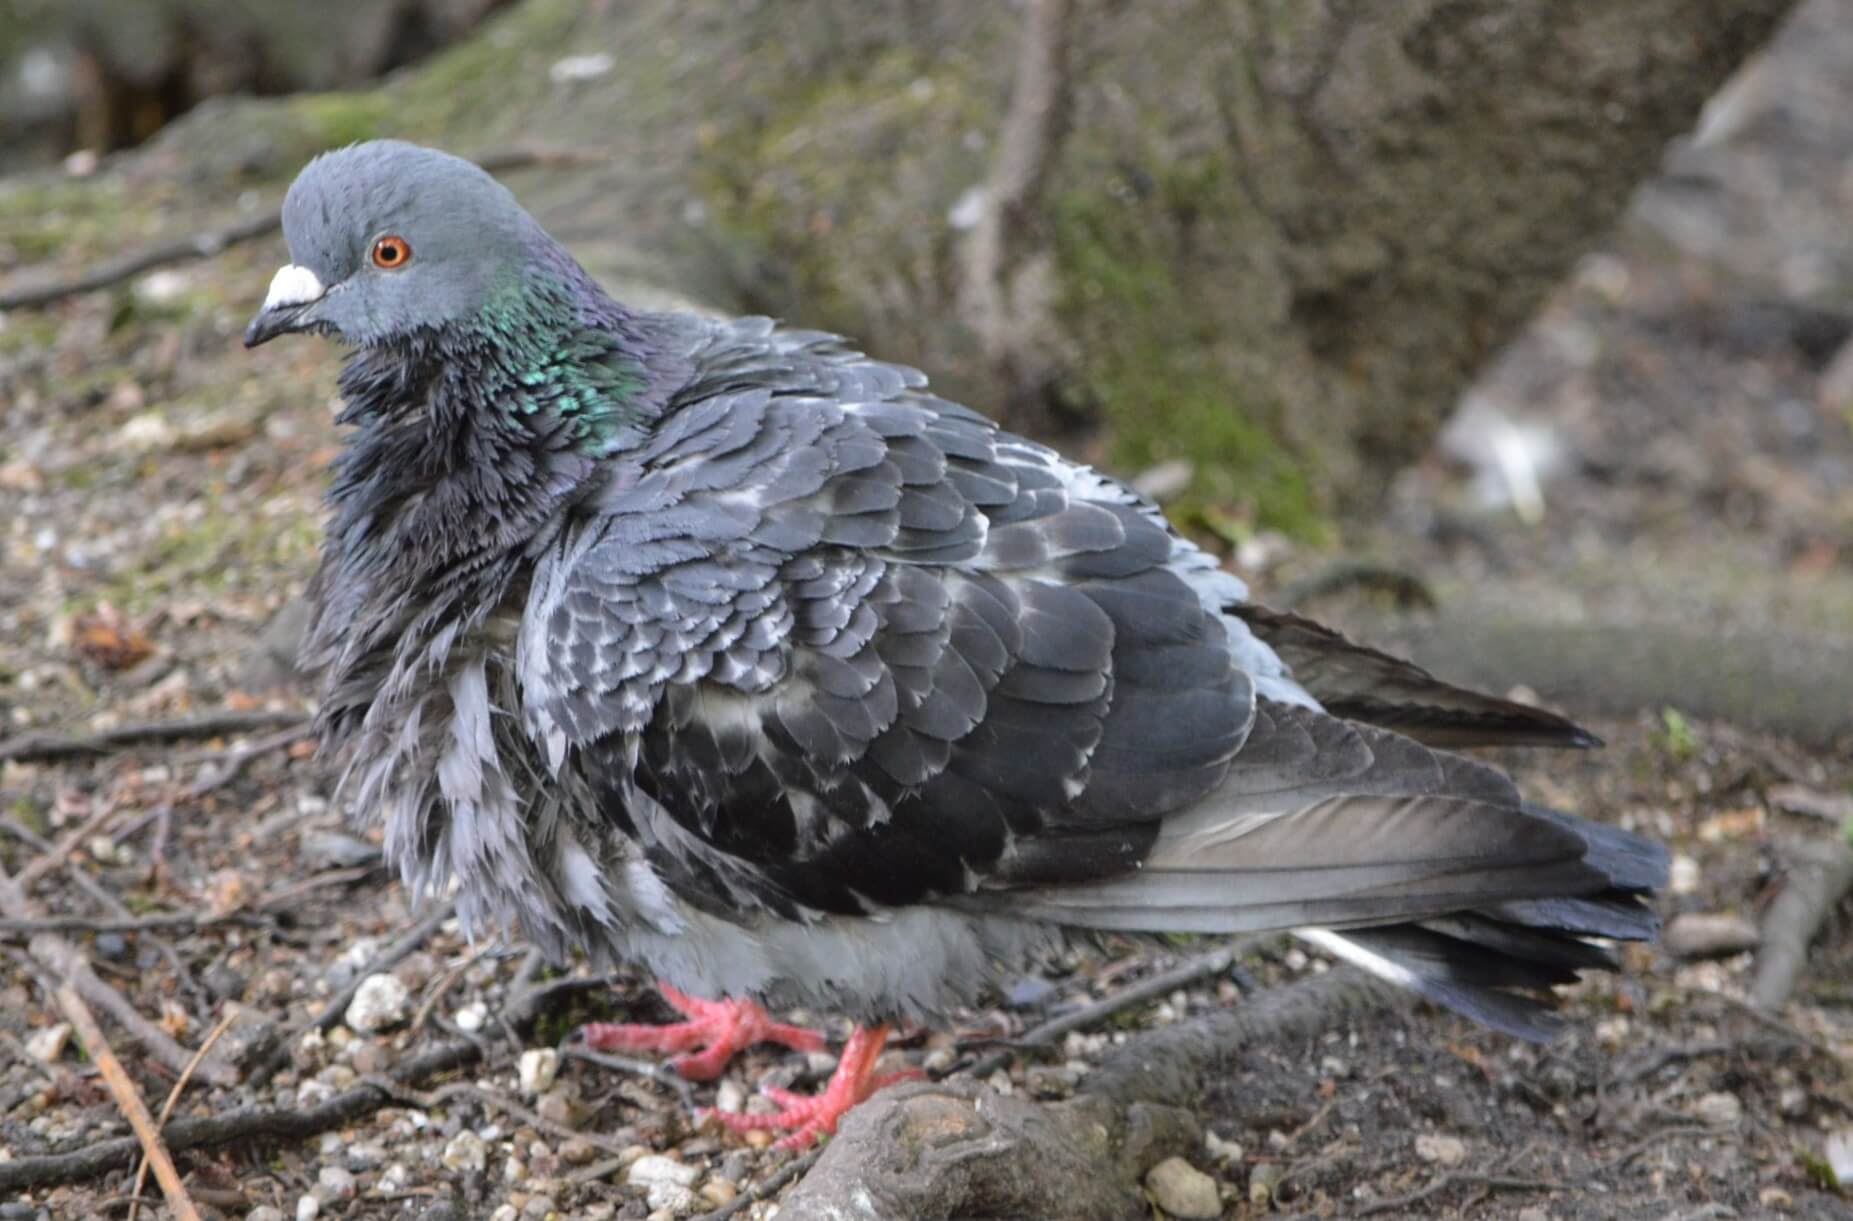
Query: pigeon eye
[(391, 253)]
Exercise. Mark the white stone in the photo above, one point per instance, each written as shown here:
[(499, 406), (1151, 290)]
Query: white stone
[(730, 1097), (264, 1212), (380, 1002), (1443, 1150), (308, 1208), (1224, 1151), (335, 1182), (580, 67), (655, 1168), (505, 1213), (465, 1152), (537, 1070), (473, 1016), (1182, 1190), (1720, 1110), (47, 1045)]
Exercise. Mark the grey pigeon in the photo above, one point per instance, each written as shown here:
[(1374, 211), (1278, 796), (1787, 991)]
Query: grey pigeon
[(718, 647)]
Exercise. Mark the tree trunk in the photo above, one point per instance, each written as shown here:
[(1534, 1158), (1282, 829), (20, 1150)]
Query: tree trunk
[(1272, 237)]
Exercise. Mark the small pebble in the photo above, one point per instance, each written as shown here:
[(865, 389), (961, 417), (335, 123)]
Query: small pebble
[(558, 1108), (730, 1097), (1182, 1190), (1443, 1150), (465, 1152), (538, 1068), (308, 1208), (47, 1045), (473, 1016), (265, 1212), (336, 1182), (758, 1138), (718, 1193), (1720, 1110), (380, 1002), (1226, 1152), (539, 1206), (505, 1212), (1261, 1181), (578, 1152)]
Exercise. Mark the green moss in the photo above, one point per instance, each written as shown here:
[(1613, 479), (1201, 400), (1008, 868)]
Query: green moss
[(1150, 351), (331, 120), (225, 546), (472, 90)]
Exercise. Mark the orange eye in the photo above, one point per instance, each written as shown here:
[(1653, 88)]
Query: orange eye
[(391, 253)]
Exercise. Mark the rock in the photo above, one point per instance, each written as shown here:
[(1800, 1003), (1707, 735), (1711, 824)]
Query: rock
[(1226, 1152), (666, 1183), (473, 1017), (1708, 935), (719, 1193), (1837, 1152), (556, 1107), (335, 1183), (578, 1152), (1720, 1110), (1261, 1181), (1182, 1190), (538, 1068), (47, 1045), (505, 1212), (264, 1212), (308, 1208), (380, 1002), (730, 1097), (466, 1152), (1442, 1150)]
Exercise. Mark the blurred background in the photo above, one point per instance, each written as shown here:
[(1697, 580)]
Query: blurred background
[(1514, 335)]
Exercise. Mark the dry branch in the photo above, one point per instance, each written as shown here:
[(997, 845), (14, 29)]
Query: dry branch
[(1819, 877), (62, 961), (129, 1101), (47, 747)]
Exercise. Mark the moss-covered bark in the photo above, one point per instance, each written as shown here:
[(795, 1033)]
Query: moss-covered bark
[(1278, 237)]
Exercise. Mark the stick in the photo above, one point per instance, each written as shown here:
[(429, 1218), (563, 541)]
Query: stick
[(210, 242), (1180, 976), (1818, 877), (34, 870), (173, 1096), (128, 1101), (258, 1123), (180, 921), (61, 959), (771, 1184), (1462, 1178), (45, 747)]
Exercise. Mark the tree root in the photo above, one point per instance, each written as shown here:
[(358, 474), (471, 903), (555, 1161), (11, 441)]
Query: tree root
[(956, 1148)]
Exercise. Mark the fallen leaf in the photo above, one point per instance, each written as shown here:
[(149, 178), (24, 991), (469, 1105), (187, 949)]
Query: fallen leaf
[(105, 637)]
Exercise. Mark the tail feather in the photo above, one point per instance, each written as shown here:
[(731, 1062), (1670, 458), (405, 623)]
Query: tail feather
[(1422, 867)]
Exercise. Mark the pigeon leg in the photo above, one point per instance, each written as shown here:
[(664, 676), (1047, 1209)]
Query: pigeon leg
[(811, 1117), (721, 1029)]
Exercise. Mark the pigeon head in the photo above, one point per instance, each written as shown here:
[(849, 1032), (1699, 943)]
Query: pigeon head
[(388, 239)]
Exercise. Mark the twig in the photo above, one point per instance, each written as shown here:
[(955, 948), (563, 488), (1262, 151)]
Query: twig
[(258, 1123), (236, 758), (62, 961), (662, 1074), (173, 1096), (33, 870), (1462, 1178), (180, 921), (1162, 984), (1818, 877), (210, 242), (128, 1101), (45, 747), (768, 1187)]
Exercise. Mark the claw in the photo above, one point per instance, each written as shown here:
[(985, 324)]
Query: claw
[(720, 1029), (811, 1116)]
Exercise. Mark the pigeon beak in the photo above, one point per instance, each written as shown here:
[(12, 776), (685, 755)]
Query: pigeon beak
[(292, 291)]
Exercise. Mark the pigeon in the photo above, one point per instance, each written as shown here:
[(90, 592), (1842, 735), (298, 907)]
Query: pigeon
[(716, 647)]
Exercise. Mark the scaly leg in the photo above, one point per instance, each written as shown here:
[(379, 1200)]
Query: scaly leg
[(811, 1117), (721, 1029)]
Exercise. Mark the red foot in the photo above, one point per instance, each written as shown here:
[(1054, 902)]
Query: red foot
[(722, 1029), (853, 1081)]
